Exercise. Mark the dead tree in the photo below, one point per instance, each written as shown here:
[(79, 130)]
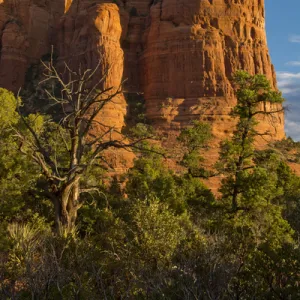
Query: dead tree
[(80, 103)]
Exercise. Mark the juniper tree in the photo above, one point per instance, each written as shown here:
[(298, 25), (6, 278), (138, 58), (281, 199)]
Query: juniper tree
[(251, 218), (195, 139), (254, 95)]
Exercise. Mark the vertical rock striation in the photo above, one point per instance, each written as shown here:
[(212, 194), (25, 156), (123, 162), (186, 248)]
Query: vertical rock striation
[(191, 50), (26, 33), (90, 33), (179, 54)]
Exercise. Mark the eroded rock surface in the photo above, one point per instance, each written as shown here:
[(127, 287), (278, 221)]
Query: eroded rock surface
[(27, 28), (89, 36), (191, 50), (180, 55)]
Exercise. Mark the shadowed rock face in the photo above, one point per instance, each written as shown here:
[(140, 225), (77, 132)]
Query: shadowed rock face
[(179, 54), (26, 33)]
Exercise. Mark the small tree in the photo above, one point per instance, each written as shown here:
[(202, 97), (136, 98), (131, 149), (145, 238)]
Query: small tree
[(69, 149), (18, 175), (236, 157), (195, 139), (251, 218)]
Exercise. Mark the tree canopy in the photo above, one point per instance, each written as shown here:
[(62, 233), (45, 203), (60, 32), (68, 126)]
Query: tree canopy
[(151, 233)]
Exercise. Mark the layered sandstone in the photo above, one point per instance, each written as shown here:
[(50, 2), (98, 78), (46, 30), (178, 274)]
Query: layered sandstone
[(90, 34), (191, 50), (26, 34), (179, 55), (89, 37)]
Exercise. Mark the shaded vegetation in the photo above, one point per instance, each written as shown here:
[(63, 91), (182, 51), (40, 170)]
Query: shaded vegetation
[(159, 235)]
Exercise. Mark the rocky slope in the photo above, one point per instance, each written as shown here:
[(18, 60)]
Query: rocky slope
[(180, 55)]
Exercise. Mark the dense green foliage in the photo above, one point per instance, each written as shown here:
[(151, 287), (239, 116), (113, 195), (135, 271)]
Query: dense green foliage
[(159, 234)]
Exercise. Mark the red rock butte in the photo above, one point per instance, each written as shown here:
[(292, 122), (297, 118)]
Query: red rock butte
[(179, 54)]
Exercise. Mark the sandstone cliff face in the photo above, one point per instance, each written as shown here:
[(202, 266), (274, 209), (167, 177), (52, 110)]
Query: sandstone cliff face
[(89, 34), (180, 55), (26, 33), (191, 49)]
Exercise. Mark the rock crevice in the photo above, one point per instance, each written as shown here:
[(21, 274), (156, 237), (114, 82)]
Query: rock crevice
[(180, 55)]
